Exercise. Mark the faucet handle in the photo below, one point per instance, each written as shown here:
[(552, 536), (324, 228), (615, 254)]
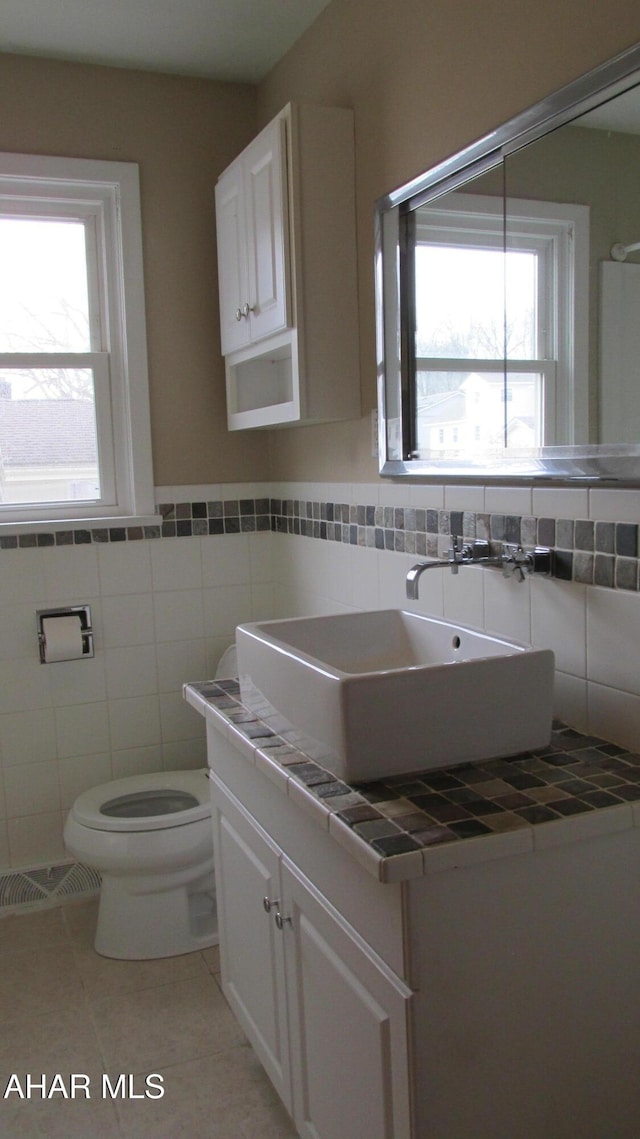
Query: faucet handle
[(456, 553), (514, 568), (515, 560), (463, 553)]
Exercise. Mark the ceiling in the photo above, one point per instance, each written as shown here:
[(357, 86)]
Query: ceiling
[(233, 40)]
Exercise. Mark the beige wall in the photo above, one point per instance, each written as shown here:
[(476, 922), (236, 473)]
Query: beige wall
[(424, 77), (182, 133)]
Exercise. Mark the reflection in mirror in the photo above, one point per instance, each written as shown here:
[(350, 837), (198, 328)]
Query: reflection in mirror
[(594, 162), (509, 338), (459, 277), (494, 287)]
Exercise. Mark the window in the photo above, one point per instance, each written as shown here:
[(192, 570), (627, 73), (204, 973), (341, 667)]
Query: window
[(74, 407), (491, 293)]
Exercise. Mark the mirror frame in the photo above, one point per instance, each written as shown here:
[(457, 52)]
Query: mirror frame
[(618, 463)]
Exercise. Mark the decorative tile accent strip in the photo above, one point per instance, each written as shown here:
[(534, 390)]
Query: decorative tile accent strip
[(229, 516), (175, 520), (574, 775), (26, 887), (586, 552)]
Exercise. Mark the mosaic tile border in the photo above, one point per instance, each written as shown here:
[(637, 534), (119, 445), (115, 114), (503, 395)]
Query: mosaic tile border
[(175, 520), (598, 553), (585, 552), (575, 775)]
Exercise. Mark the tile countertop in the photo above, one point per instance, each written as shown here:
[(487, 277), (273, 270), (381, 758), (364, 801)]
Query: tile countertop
[(409, 825)]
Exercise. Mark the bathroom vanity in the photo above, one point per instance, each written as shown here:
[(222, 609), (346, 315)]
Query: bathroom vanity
[(437, 956)]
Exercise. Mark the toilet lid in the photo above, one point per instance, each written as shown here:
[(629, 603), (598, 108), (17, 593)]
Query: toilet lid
[(145, 802)]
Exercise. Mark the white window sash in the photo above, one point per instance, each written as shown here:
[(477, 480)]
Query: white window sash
[(105, 196), (559, 234)]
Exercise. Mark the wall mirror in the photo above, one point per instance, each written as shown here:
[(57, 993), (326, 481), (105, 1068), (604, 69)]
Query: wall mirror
[(508, 297)]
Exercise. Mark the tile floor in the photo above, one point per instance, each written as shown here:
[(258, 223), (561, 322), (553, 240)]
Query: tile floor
[(64, 1009)]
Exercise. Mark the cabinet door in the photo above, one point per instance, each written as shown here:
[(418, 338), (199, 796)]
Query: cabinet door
[(267, 230), (233, 259), (251, 947), (348, 1023)]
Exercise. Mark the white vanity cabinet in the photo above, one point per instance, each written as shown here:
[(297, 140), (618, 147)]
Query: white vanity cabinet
[(326, 1018), (285, 221), (487, 987), (251, 945)]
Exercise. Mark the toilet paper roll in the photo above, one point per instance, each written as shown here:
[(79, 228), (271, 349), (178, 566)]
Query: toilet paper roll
[(62, 638)]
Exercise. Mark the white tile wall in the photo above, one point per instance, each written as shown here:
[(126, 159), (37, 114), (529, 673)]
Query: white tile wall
[(595, 633), (131, 670), (165, 610), (508, 500), (125, 567)]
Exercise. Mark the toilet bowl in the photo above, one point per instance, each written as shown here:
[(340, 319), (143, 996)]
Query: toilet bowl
[(150, 837)]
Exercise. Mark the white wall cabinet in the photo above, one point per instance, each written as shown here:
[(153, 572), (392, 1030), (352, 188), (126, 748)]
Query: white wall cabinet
[(327, 1020), (285, 221), (253, 242)]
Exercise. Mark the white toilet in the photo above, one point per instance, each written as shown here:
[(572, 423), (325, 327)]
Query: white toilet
[(150, 837)]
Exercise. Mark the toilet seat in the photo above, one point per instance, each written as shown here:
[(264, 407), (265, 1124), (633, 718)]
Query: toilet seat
[(145, 802)]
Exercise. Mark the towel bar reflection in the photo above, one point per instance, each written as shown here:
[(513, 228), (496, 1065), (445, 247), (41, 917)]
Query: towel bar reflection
[(619, 251)]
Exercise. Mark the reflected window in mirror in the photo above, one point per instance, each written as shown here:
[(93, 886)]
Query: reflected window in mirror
[(508, 331), (493, 368)]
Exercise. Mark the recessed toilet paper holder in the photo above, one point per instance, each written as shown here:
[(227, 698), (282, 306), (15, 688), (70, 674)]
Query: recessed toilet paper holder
[(86, 630)]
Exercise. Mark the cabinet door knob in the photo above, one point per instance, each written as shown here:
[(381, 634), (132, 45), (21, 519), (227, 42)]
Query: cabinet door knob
[(247, 308), (281, 921), (238, 314), (269, 903)]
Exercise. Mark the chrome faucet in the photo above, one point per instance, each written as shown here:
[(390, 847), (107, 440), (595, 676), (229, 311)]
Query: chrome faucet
[(513, 560)]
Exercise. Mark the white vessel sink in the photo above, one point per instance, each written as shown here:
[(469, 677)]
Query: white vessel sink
[(387, 692)]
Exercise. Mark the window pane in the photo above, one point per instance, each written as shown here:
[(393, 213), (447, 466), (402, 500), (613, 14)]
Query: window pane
[(48, 438), (44, 305), (521, 290), (459, 302), (460, 413), (525, 412), (460, 306)]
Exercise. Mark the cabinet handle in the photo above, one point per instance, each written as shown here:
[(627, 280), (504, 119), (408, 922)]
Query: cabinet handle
[(247, 308), (269, 903), (280, 921), (238, 314)]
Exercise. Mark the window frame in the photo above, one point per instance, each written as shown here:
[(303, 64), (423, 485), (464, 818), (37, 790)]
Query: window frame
[(109, 193), (558, 233)]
